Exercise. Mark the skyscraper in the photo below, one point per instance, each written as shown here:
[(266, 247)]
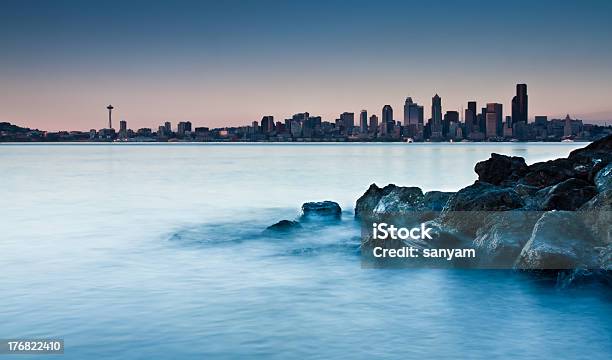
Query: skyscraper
[(471, 118), (122, 129), (436, 117), (267, 124), (168, 127), (387, 119), (363, 121), (519, 105), (407, 104), (373, 124), (494, 120), (348, 121)]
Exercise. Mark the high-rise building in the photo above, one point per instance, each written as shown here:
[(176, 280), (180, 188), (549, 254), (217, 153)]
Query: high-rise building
[(168, 127), (496, 109), (267, 124), (436, 117), (471, 118), (567, 126), (519, 105), (495, 120), (363, 121), (373, 124), (407, 105), (183, 128), (123, 129), (347, 120), (450, 117), (387, 119)]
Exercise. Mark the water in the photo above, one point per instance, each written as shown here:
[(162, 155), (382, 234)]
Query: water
[(141, 251)]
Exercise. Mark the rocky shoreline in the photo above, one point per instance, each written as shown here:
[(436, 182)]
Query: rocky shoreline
[(552, 215)]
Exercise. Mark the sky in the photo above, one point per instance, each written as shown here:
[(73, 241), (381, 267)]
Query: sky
[(228, 63)]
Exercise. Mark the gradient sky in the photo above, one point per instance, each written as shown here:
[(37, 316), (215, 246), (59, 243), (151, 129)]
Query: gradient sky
[(224, 63)]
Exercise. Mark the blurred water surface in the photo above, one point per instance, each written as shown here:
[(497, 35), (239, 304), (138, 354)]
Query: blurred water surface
[(140, 251)]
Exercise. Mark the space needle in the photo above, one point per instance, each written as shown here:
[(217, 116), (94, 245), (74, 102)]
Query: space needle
[(110, 116)]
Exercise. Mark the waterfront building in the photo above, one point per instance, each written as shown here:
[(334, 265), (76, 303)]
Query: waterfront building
[(363, 121), (436, 117), (519, 105), (387, 119)]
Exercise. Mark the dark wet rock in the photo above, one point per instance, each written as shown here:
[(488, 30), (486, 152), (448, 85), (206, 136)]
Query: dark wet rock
[(501, 168), (558, 241), (567, 195), (370, 200), (284, 226), (484, 196), (526, 190), (548, 216), (322, 209), (544, 174), (399, 200), (501, 236), (600, 202), (598, 217), (599, 151), (603, 178), (435, 200)]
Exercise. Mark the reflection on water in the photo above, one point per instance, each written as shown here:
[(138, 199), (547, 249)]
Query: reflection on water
[(159, 251)]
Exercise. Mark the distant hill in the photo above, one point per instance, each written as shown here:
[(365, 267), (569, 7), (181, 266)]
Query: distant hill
[(6, 126)]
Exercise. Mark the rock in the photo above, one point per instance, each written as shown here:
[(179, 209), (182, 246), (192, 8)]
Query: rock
[(501, 236), (595, 152), (598, 217), (600, 202), (284, 226), (501, 168), (558, 241), (603, 179), (435, 200), (399, 200), (544, 174), (484, 196), (369, 200), (567, 195), (526, 190), (321, 209)]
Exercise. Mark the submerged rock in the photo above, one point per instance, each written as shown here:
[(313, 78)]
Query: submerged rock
[(284, 226), (322, 209)]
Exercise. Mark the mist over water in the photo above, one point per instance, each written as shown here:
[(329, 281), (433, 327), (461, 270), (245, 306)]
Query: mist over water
[(140, 251)]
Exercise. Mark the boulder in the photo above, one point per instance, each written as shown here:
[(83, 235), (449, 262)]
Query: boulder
[(603, 179), (501, 168), (501, 236), (567, 195), (544, 174), (558, 241), (399, 200), (322, 209), (284, 226), (599, 151), (435, 200), (369, 200), (483, 196)]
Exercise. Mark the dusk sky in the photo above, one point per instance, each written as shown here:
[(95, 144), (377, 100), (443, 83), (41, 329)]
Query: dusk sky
[(226, 63)]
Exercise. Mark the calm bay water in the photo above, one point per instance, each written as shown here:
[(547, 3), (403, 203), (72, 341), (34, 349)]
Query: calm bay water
[(140, 251)]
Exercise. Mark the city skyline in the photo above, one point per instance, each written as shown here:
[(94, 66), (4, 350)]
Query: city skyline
[(488, 124), (227, 64)]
